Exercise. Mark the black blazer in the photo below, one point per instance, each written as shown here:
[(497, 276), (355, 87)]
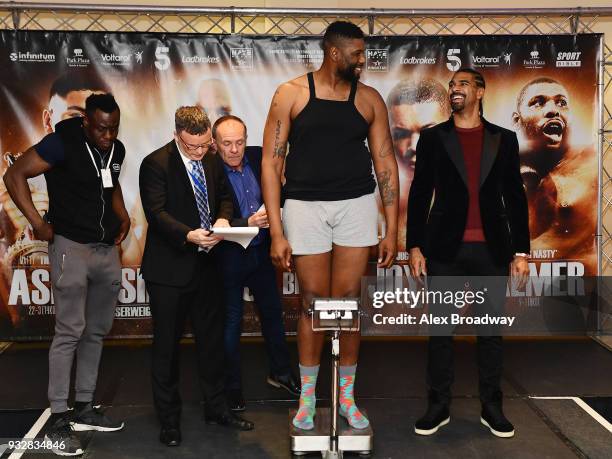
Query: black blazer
[(438, 228), (171, 211)]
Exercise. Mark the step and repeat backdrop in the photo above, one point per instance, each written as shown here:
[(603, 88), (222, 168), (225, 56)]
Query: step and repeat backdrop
[(543, 87)]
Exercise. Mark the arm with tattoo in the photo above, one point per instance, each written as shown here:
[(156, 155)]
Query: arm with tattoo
[(385, 165), (275, 137), (280, 146)]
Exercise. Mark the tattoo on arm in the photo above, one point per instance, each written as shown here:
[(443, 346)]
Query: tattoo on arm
[(386, 148), (387, 192), (280, 147), (274, 99)]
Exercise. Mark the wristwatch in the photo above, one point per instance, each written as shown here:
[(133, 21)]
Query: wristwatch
[(520, 254)]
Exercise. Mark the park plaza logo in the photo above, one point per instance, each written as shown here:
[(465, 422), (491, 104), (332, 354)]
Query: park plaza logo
[(77, 59), (19, 56), (569, 59), (241, 58), (122, 59), (534, 61), (377, 60)]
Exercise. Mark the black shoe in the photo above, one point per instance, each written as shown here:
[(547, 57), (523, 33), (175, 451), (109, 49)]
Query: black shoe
[(229, 419), (493, 417), (170, 436), (62, 438), (235, 400), (91, 418), (288, 382), (437, 415)]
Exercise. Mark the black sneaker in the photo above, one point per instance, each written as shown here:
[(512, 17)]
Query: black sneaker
[(493, 417), (437, 415), (91, 418), (62, 439), (289, 382), (235, 400)]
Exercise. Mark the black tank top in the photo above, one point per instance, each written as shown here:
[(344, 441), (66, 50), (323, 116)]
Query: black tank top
[(328, 159)]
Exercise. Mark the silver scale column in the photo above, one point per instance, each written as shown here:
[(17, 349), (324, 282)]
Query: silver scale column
[(332, 436)]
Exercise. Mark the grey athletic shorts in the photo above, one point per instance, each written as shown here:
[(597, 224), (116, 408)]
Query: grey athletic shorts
[(311, 227)]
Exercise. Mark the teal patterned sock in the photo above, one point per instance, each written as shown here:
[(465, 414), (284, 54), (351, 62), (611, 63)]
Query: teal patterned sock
[(348, 408), (304, 418)]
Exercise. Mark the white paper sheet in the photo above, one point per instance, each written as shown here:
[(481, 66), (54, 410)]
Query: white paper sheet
[(242, 235)]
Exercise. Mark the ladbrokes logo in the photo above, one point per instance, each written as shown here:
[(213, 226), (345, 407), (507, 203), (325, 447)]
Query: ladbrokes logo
[(18, 56), (569, 59), (242, 58), (200, 59), (121, 59), (534, 61), (413, 60), (377, 60), (77, 59)]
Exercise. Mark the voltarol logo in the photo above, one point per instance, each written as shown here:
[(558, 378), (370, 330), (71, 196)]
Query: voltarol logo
[(121, 59), (569, 59), (241, 58), (377, 60), (491, 61)]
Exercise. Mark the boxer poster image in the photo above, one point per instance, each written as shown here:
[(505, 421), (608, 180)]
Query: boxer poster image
[(542, 87)]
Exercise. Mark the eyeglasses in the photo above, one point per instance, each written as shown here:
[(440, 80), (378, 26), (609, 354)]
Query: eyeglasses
[(191, 147)]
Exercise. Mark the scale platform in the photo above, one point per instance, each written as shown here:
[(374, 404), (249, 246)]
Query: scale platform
[(317, 439)]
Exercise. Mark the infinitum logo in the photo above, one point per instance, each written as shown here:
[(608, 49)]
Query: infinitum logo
[(569, 59), (18, 56)]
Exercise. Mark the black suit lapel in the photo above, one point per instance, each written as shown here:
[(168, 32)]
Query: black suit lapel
[(490, 147), (450, 140), (181, 173)]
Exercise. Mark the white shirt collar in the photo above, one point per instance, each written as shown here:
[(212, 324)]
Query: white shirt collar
[(185, 159)]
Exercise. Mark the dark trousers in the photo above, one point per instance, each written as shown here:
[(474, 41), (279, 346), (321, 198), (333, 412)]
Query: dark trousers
[(252, 268), (202, 301), (473, 259)]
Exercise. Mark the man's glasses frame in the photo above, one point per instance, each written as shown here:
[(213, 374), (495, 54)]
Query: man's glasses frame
[(204, 146)]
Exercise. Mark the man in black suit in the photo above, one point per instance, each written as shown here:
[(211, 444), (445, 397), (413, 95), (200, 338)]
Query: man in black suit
[(183, 191), (249, 267), (476, 226)]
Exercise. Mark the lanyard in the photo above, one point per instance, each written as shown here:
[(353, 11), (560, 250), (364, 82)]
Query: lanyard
[(110, 158)]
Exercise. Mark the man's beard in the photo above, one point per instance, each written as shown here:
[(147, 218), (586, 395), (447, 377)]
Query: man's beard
[(348, 73), (457, 106)]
